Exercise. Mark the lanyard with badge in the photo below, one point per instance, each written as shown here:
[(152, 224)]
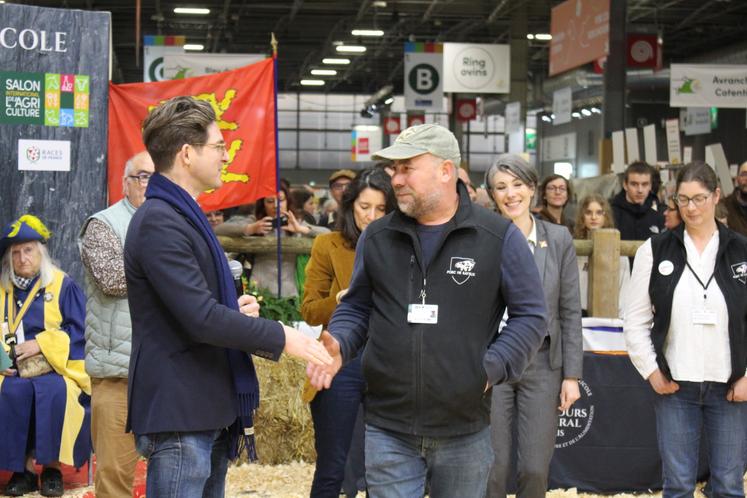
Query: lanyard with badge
[(421, 312), (703, 315), (13, 324)]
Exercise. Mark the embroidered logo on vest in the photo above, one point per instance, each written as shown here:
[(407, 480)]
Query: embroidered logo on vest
[(460, 269), (739, 272)]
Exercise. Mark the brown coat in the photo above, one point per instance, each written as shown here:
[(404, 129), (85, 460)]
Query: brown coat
[(735, 218), (329, 271)]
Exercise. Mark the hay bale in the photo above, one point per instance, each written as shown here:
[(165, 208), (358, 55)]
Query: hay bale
[(283, 424)]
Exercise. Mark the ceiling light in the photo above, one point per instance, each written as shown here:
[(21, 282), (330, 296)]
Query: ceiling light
[(389, 100), (552, 116), (546, 118), (586, 112), (312, 82), (194, 47), (576, 115), (596, 110), (530, 36), (351, 49), (330, 60), (379, 3), (323, 72), (543, 36), (191, 10), (367, 32)]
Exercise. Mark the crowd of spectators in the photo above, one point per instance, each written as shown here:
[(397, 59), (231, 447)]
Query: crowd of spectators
[(71, 356)]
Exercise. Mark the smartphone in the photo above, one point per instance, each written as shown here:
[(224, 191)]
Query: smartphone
[(281, 221)]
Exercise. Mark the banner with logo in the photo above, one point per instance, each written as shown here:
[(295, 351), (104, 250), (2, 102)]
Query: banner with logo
[(244, 104), (580, 33), (177, 66), (366, 141), (424, 76), (708, 85), (477, 68), (155, 48), (54, 72)]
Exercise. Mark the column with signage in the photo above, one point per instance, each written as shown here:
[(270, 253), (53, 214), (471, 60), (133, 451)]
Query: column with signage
[(53, 120)]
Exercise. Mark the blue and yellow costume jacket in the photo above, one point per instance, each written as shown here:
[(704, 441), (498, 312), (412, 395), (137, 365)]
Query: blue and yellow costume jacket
[(49, 413)]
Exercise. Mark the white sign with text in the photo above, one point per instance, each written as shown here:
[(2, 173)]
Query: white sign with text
[(562, 103), (43, 155), (708, 85), (477, 68)]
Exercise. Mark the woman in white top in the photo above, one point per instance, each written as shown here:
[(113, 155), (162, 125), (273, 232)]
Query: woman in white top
[(593, 213), (686, 332)]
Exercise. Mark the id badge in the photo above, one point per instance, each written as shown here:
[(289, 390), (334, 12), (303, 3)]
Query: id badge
[(422, 313), (704, 316)]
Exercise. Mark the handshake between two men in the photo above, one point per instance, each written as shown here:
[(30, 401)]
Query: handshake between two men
[(298, 344)]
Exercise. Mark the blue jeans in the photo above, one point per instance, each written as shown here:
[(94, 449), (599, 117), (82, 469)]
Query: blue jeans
[(185, 464), (680, 417), (334, 411), (397, 465)]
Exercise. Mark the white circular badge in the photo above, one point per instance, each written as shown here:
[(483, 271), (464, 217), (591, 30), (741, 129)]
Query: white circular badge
[(666, 267)]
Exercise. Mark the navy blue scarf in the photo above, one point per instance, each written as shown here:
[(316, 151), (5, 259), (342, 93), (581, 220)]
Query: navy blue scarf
[(242, 368)]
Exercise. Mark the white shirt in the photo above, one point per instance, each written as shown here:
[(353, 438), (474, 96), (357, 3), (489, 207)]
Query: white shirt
[(694, 352), (532, 237)]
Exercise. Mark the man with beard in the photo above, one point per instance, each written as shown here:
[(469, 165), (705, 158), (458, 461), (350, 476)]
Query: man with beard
[(636, 207), (736, 203), (430, 285)]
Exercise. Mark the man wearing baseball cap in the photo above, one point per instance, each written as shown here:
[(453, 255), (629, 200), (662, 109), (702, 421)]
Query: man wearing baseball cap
[(338, 181), (430, 284)]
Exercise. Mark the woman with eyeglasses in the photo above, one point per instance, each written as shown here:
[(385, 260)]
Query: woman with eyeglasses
[(555, 194), (367, 198), (687, 335), (593, 213), (549, 385)]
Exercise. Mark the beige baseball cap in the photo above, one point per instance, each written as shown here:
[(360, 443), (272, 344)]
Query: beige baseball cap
[(421, 139)]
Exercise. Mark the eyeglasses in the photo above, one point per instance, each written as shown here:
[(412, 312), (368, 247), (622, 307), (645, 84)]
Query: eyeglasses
[(220, 146), (556, 188), (698, 200), (339, 186), (143, 178)]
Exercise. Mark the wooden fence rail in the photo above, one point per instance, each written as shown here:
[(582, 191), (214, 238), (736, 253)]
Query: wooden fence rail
[(604, 250)]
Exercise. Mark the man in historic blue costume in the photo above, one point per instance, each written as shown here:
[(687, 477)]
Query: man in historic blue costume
[(44, 394)]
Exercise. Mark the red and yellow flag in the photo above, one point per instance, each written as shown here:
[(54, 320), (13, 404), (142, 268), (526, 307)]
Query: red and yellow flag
[(244, 104)]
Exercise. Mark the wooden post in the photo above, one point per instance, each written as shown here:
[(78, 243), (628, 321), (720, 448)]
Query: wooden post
[(604, 273)]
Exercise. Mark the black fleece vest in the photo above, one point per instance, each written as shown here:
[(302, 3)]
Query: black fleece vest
[(731, 277), (428, 379)]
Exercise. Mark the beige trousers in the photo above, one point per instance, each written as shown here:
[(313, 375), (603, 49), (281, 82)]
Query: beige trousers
[(116, 456)]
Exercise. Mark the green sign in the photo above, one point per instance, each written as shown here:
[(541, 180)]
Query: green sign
[(44, 99), (531, 139)]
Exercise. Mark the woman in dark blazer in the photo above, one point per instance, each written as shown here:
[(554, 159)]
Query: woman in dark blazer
[(549, 386), (367, 198)]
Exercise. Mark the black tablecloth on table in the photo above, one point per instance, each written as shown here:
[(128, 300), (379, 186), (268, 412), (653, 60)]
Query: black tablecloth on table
[(607, 444)]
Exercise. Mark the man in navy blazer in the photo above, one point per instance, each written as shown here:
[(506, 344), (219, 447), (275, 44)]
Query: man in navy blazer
[(191, 386)]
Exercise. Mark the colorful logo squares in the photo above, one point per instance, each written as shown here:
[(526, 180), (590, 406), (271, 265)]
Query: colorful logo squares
[(66, 100)]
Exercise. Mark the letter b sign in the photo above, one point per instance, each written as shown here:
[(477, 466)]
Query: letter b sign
[(423, 78)]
